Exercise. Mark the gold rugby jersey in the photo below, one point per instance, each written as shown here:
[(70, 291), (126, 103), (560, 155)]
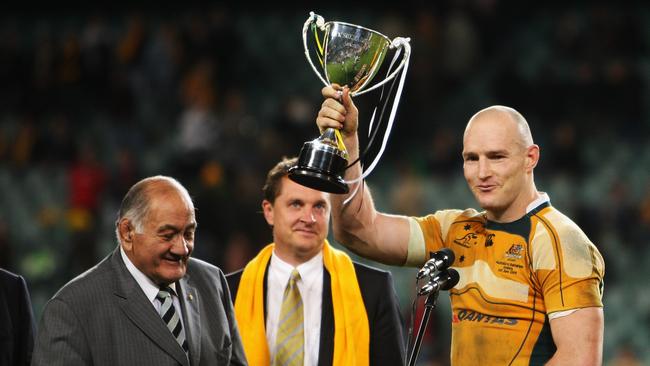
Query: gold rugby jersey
[(512, 278)]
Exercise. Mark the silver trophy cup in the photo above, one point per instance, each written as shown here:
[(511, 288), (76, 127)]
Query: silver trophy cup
[(349, 55)]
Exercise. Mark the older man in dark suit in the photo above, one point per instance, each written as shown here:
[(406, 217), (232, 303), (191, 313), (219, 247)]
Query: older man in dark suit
[(147, 303), (301, 301), (16, 321)]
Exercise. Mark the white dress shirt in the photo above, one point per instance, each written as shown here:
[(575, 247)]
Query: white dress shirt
[(150, 289), (310, 286)]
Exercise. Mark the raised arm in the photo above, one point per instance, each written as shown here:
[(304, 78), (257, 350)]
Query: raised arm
[(357, 224)]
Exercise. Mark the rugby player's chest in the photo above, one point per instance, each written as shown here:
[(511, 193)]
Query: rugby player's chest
[(501, 253)]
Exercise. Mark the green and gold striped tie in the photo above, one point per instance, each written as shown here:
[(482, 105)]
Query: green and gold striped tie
[(289, 342)]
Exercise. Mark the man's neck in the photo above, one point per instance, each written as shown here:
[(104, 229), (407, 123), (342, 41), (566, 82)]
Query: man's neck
[(517, 209)]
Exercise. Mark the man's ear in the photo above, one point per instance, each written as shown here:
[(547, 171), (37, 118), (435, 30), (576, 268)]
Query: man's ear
[(267, 209), (126, 231), (532, 157)]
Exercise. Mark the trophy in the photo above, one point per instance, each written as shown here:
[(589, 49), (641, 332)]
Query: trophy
[(350, 55)]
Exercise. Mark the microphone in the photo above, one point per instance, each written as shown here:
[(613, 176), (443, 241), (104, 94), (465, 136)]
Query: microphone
[(439, 261), (444, 281)]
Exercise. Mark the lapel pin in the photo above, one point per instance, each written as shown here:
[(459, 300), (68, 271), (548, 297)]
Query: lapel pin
[(190, 297)]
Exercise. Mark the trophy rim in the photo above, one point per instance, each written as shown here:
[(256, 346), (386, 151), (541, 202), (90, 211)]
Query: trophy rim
[(359, 27)]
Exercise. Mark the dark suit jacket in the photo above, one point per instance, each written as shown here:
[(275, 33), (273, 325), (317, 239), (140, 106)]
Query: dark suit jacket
[(103, 317), (384, 316), (16, 321)]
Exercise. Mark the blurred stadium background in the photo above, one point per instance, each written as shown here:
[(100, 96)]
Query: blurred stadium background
[(91, 101)]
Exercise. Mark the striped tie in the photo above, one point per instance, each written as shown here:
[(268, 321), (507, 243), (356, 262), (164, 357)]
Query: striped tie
[(170, 316), (289, 350)]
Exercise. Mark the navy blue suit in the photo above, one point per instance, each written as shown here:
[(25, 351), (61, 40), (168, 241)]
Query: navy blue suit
[(16, 321)]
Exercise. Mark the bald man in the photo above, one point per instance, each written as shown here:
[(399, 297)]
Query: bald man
[(531, 282), (148, 302)]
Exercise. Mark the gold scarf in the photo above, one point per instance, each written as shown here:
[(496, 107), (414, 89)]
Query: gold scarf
[(351, 329)]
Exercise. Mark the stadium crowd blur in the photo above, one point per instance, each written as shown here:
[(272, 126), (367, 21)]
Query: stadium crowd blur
[(90, 102)]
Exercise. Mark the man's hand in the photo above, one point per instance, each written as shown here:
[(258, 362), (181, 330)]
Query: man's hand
[(338, 111), (358, 225)]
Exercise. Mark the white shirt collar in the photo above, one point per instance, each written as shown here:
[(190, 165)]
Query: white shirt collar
[(148, 286), (309, 271), (543, 197)]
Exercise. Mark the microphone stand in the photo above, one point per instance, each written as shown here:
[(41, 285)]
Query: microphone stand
[(429, 305)]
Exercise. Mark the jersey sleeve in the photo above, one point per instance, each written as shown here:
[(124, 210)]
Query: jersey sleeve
[(567, 265), (428, 235)]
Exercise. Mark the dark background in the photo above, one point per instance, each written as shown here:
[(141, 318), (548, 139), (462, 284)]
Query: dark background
[(92, 100)]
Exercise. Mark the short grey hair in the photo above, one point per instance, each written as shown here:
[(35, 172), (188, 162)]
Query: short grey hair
[(135, 204)]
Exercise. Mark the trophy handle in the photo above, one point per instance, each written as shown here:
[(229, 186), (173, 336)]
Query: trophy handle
[(320, 23), (398, 42), (404, 42)]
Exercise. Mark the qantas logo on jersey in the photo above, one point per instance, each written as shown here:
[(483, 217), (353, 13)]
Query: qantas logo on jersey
[(473, 316)]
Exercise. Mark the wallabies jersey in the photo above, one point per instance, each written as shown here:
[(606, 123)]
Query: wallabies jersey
[(513, 278)]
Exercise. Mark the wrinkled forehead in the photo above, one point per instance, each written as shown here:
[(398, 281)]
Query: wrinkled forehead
[(169, 200)]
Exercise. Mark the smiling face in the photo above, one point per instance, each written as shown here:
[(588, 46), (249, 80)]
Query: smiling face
[(300, 220), (162, 247), (498, 162)]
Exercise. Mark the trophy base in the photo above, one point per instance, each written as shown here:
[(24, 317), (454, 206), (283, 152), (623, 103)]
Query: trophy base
[(319, 167), (318, 181)]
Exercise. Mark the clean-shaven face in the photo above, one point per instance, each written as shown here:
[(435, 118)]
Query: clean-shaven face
[(495, 163), (163, 247), (300, 220)]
